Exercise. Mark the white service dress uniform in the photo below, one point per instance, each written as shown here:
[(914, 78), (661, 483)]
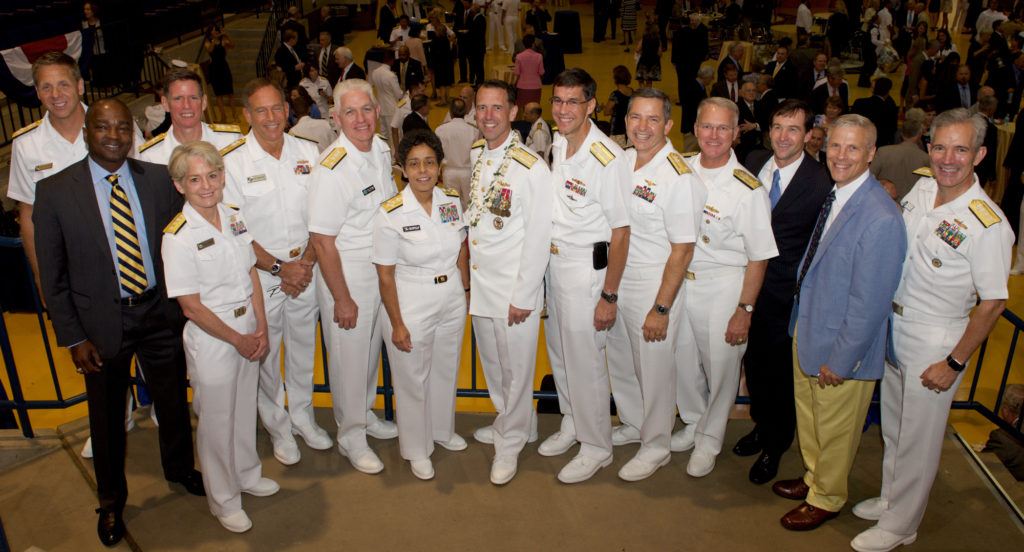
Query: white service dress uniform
[(274, 194), (160, 147), (958, 253), (735, 229), (495, 25), (509, 239), (424, 247), (664, 209), (591, 191), (200, 259), (539, 139), (348, 189), (458, 137)]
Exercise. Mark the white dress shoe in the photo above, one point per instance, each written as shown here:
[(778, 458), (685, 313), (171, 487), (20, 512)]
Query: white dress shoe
[(363, 459), (701, 463), (877, 539), (625, 434), (87, 448), (871, 509), (287, 452), (682, 440), (484, 435), (237, 522), (381, 429), (558, 443), (582, 468), (264, 487), (638, 470), (455, 444), (314, 436), (503, 469), (422, 469)]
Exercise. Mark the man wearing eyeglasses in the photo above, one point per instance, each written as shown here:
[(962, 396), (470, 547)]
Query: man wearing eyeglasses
[(721, 286), (589, 242)]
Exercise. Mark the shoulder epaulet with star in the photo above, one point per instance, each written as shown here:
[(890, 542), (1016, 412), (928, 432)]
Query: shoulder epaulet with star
[(394, 203), (220, 127), (523, 157), (152, 142), (602, 153), (677, 163), (301, 137), (479, 143), (924, 171), (690, 154), (450, 192), (25, 129), (235, 207), (335, 157), (175, 225), (984, 213), (232, 146), (747, 178)]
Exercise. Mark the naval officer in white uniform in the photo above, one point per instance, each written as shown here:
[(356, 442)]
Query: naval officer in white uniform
[(269, 174), (509, 217), (721, 287), (958, 256), (353, 180), (209, 266), (663, 219)]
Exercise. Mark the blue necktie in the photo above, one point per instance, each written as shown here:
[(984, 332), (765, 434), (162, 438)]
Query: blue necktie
[(776, 192)]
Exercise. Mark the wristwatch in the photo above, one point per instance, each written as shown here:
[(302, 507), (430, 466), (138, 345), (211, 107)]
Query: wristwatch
[(956, 366), (660, 309), (746, 308), (276, 267), (610, 297)]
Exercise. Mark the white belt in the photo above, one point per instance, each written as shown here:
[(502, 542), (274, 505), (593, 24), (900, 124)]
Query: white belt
[(708, 273), (914, 315), (231, 310), (420, 275), (572, 251), (290, 253)]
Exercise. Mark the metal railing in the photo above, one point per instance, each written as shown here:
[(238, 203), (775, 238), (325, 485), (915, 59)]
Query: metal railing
[(270, 38)]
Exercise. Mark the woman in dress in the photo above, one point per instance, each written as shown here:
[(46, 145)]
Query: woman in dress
[(629, 14), (217, 44), (317, 87), (648, 65), (529, 68), (618, 103), (834, 108), (419, 248), (442, 42), (210, 267), (946, 45)]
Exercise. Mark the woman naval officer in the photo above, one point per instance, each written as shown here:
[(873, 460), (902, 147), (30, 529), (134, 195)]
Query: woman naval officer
[(209, 265), (419, 247)]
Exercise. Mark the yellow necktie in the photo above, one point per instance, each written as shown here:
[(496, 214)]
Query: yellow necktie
[(126, 239)]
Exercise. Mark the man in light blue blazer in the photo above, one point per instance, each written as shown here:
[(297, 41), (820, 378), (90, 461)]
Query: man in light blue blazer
[(844, 292)]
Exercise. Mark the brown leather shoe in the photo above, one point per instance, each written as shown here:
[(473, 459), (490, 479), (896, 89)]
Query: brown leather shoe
[(793, 489), (806, 517)]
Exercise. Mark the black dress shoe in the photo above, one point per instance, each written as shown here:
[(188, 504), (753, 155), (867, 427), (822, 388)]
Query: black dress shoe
[(193, 483), (110, 526), (748, 445), (765, 468)]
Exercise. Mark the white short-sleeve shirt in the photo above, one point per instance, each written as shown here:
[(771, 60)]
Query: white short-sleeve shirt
[(159, 149), (407, 236)]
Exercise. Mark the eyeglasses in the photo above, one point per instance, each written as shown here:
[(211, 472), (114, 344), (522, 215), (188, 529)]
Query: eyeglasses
[(571, 102), (706, 127)]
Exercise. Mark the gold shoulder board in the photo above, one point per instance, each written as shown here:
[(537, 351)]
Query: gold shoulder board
[(394, 203), (332, 160), (524, 157), (747, 178), (602, 153), (23, 130), (924, 171), (403, 102), (176, 223), (220, 127), (450, 192), (985, 214), (690, 154), (152, 142), (232, 146), (677, 163), (479, 143), (235, 207), (300, 137)]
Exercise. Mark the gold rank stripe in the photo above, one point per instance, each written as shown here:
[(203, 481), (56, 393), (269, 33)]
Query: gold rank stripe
[(394, 203), (747, 178), (690, 154), (677, 163), (985, 214), (335, 157), (299, 136), (524, 157), (220, 127), (924, 171), (176, 223), (25, 129), (232, 146), (602, 153), (450, 192), (152, 142)]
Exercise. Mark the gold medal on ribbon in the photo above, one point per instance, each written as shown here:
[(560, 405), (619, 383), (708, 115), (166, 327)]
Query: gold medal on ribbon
[(498, 223)]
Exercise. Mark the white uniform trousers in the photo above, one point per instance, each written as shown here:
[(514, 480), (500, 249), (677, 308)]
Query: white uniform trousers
[(291, 320), (914, 417), (224, 398), (353, 356), (425, 378), (494, 31), (708, 367), (458, 179), (511, 26), (508, 355), (576, 351), (643, 373)]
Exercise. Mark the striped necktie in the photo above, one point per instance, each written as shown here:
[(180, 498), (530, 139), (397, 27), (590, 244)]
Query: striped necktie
[(819, 228), (323, 62), (126, 239)]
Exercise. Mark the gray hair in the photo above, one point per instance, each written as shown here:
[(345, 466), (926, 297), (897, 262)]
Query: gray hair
[(705, 72), (914, 114), (344, 52), (834, 71), (346, 86), (735, 46), (987, 103), (178, 165), (724, 103), (960, 115), (852, 120), (654, 94), (912, 128)]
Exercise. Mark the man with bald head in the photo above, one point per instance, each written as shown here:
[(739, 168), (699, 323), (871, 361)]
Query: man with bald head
[(98, 225)]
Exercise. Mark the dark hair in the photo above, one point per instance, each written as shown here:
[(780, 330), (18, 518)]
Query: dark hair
[(413, 82), (577, 77), (175, 74), (528, 40), (254, 85), (458, 108), (288, 35), (510, 91), (620, 74), (418, 101), (300, 107), (654, 94), (419, 137), (403, 16), (793, 106), (306, 67), (882, 86)]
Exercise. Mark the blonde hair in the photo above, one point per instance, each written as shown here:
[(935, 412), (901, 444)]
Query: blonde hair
[(178, 165)]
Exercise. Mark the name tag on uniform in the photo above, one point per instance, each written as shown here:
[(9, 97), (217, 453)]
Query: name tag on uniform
[(448, 212), (413, 228), (204, 244), (237, 226), (303, 167), (951, 234), (44, 166), (369, 189), (256, 178)]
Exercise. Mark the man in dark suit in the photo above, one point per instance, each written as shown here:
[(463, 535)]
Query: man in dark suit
[(729, 86), (407, 68), (960, 93), (834, 85), (1008, 81), (347, 68), (767, 99), (477, 45), (689, 50), (694, 92), (289, 59), (325, 59), (107, 299), (292, 23), (749, 122), (796, 195), (880, 109), (386, 21), (785, 77), (734, 59), (815, 73), (417, 119)]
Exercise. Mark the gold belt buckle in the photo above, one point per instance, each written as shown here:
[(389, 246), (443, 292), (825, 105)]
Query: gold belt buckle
[(294, 252), (690, 275), (441, 279), (554, 249), (897, 308), (240, 311)]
